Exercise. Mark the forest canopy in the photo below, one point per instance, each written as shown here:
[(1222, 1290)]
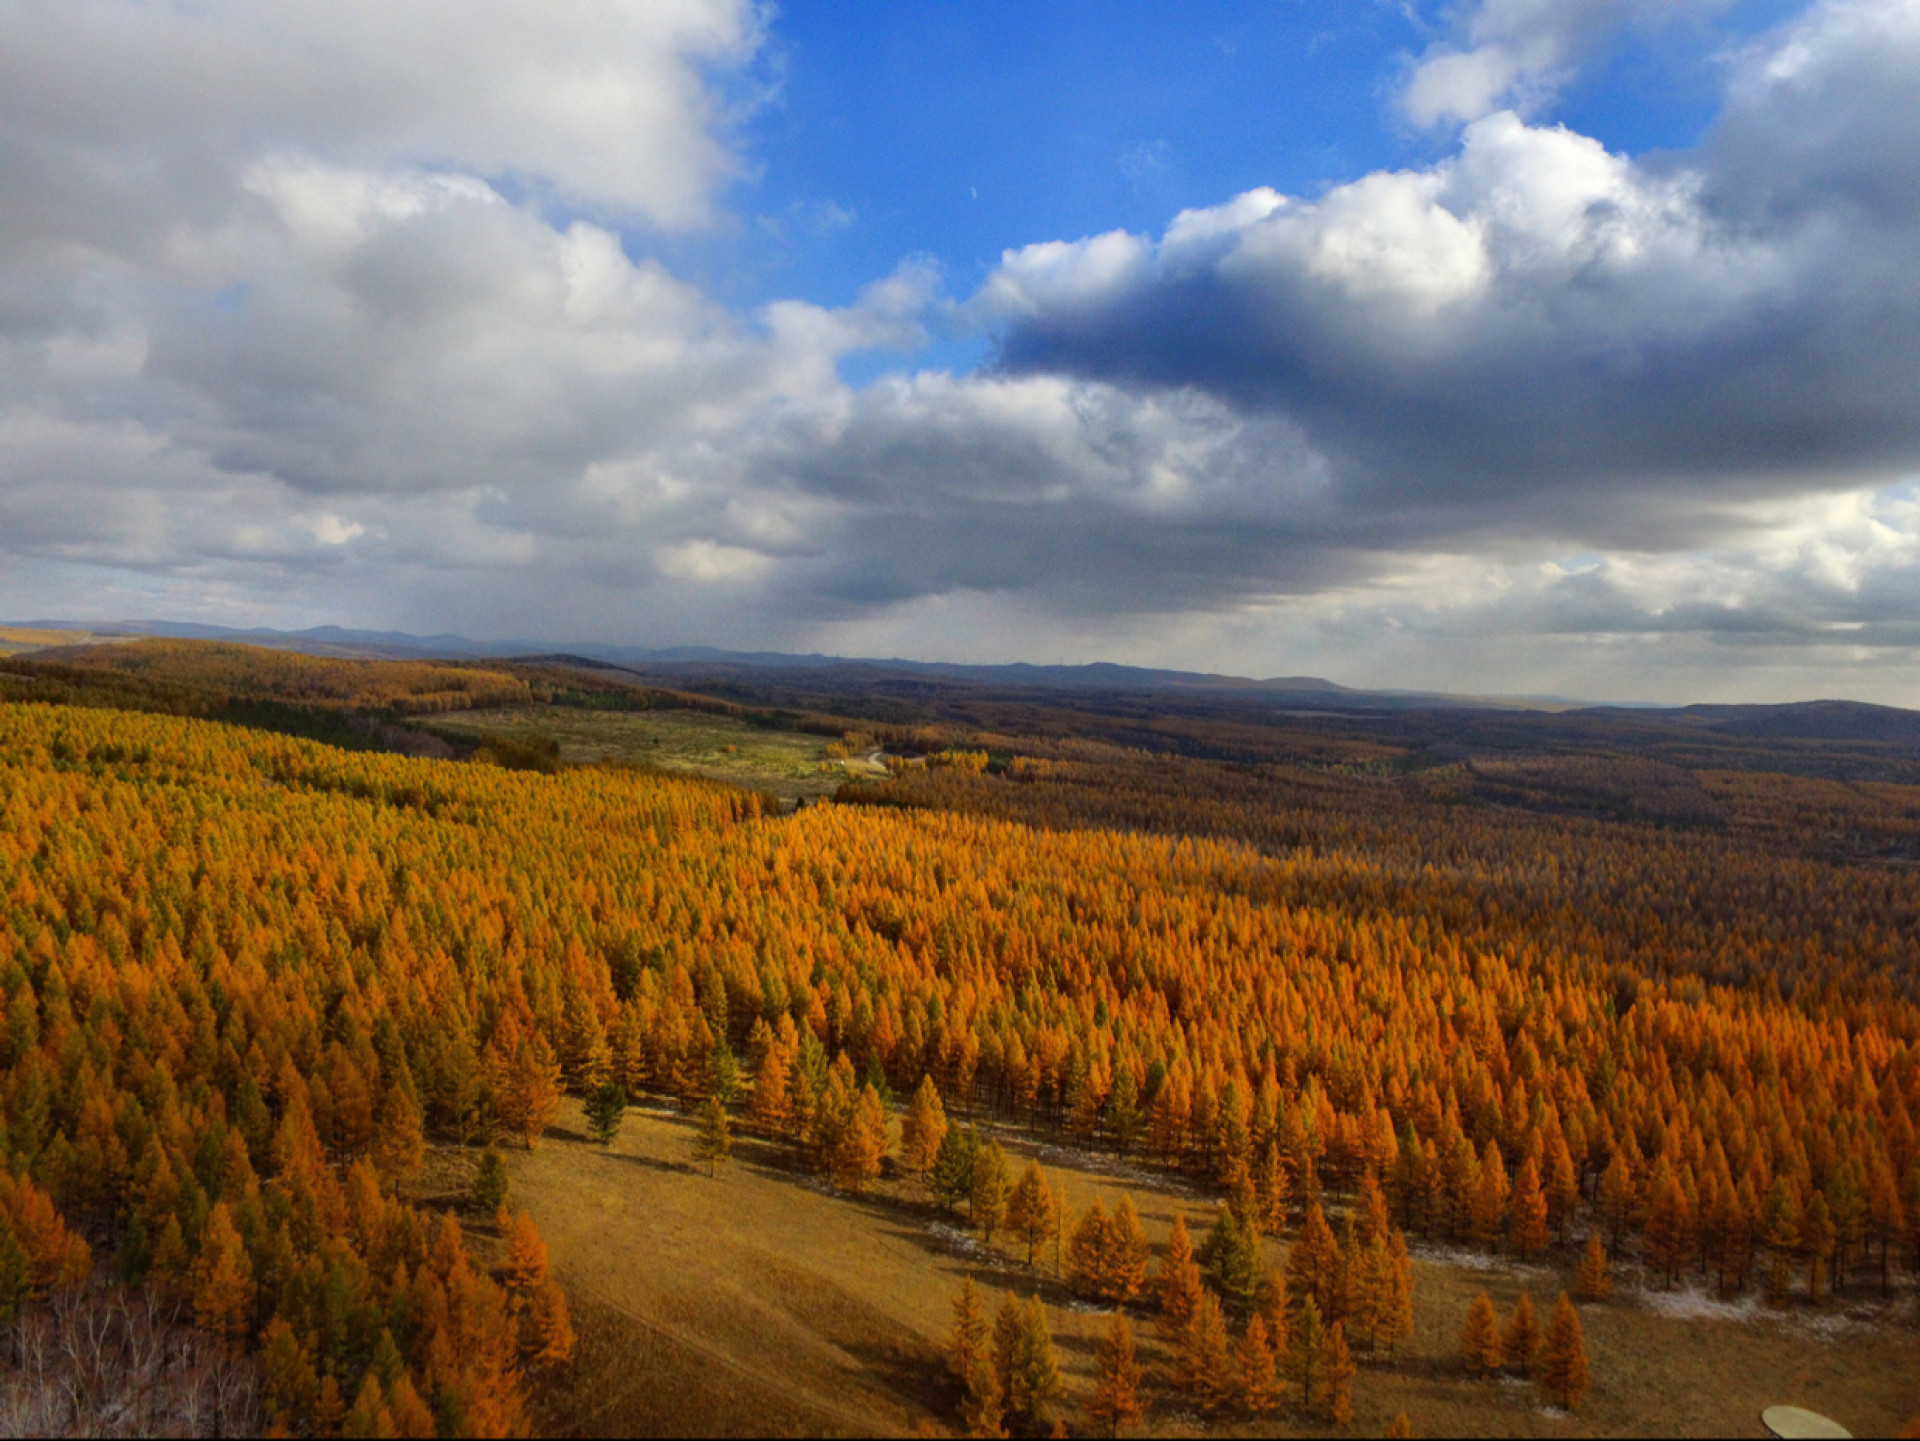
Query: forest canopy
[(244, 976)]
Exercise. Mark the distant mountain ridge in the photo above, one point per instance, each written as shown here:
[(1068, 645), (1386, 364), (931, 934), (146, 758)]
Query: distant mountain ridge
[(1101, 675), (1837, 720), (1097, 677)]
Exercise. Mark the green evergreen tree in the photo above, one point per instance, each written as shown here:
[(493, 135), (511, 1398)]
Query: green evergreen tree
[(1230, 1260), (606, 1108), (722, 1079), (490, 1182), (952, 1177), (713, 1141), (1024, 1359)]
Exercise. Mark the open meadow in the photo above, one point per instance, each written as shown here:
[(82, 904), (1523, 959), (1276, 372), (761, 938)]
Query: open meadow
[(24, 640), (763, 1299), (788, 763)]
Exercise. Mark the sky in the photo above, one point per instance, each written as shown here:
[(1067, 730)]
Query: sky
[(1522, 346)]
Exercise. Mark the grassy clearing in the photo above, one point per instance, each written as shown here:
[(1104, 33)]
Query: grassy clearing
[(788, 763), (762, 1301), (23, 640)]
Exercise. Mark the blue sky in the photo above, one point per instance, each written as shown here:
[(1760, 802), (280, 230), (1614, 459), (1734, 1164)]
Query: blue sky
[(1522, 345), (960, 130)]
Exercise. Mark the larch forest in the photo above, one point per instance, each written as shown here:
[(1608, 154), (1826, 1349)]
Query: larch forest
[(264, 995)]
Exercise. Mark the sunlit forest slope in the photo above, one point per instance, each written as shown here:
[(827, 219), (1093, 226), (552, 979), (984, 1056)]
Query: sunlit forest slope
[(247, 978)]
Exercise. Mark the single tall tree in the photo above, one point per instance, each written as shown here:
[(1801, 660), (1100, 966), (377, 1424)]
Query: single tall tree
[(490, 1183), (952, 1177), (983, 1399), (1031, 1212), (1272, 1189), (1594, 1280), (713, 1137), (1369, 1289), (1125, 1271), (924, 1129), (526, 1082), (1123, 1110), (1563, 1187), (969, 1340), (606, 1107), (1313, 1263), (1480, 1338), (1780, 1230), (1666, 1240), (1205, 1360), (1024, 1358), (1816, 1241), (1619, 1202), (1307, 1355), (1520, 1342), (987, 1197), (1272, 1311), (1230, 1260), (1337, 1403), (398, 1144), (1488, 1207), (862, 1143), (1563, 1359), (1527, 1213), (1258, 1368), (546, 1330), (1394, 1323), (1087, 1250), (524, 1267), (223, 1287), (1178, 1281), (1116, 1385)]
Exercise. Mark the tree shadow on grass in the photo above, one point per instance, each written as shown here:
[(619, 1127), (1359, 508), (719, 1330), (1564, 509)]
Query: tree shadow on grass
[(656, 1163), (914, 1375), (774, 1159), (991, 1269)]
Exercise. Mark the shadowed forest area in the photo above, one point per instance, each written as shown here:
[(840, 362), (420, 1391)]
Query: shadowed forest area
[(915, 983)]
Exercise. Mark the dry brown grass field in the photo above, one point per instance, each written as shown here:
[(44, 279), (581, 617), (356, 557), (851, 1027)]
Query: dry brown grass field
[(762, 1301)]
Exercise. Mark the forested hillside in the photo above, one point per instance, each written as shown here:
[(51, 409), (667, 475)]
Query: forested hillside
[(244, 973)]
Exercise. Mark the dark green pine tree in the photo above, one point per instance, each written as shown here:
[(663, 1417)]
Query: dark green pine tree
[(952, 1176), (1230, 1260), (606, 1108), (490, 1183)]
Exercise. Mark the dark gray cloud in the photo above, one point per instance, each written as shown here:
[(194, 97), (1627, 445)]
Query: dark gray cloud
[(1537, 337), (280, 341)]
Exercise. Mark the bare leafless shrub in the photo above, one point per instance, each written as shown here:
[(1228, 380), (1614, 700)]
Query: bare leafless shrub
[(107, 1363)]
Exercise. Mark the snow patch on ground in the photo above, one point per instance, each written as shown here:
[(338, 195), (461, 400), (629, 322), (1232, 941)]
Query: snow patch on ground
[(1687, 1304), (1099, 1163), (1468, 1259), (1690, 1303), (959, 1242), (1460, 1256), (1086, 1308)]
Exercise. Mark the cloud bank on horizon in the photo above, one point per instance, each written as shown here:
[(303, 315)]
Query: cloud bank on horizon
[(385, 315)]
